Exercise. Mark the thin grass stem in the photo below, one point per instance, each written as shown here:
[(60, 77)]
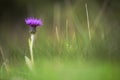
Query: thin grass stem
[(4, 60), (88, 21)]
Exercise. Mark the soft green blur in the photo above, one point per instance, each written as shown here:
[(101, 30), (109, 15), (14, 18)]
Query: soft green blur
[(63, 48)]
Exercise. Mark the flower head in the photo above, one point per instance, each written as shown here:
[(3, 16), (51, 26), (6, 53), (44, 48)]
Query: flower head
[(33, 22)]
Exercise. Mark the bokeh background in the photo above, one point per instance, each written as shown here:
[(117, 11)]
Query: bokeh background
[(64, 37)]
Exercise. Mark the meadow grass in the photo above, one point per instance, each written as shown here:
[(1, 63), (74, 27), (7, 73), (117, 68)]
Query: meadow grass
[(65, 59), (56, 69), (65, 51)]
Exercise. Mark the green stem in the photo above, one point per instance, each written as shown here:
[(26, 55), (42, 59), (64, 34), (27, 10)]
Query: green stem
[(31, 47)]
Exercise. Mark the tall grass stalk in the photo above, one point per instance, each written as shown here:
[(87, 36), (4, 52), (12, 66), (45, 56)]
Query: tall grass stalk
[(57, 17), (88, 21), (4, 60), (57, 34), (66, 29)]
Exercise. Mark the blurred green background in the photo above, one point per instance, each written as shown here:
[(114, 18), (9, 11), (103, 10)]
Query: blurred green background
[(65, 48)]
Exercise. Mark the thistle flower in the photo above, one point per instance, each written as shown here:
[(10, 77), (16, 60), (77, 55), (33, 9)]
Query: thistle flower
[(33, 23)]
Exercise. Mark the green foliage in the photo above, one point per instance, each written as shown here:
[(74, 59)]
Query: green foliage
[(62, 48)]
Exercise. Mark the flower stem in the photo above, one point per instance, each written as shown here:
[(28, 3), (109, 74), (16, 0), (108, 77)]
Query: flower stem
[(31, 47)]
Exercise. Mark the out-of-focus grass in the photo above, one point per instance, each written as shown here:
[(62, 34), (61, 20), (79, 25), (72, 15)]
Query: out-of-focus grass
[(66, 53), (57, 69)]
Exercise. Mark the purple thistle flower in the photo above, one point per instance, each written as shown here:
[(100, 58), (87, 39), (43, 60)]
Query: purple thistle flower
[(33, 23)]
